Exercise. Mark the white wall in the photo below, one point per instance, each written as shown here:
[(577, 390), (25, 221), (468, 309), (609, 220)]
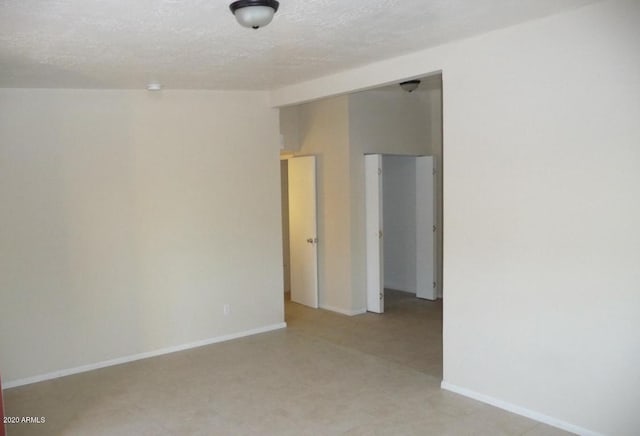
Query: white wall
[(541, 181), (542, 150), (129, 219), (389, 121), (399, 218)]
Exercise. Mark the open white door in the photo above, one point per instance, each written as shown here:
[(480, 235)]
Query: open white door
[(425, 236), (373, 198), (303, 238)]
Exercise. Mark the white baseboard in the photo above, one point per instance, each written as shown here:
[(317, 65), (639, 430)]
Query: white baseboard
[(140, 356), (518, 410), (343, 311)]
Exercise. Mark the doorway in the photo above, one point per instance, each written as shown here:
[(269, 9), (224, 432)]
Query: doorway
[(400, 227), (299, 229), (339, 131)]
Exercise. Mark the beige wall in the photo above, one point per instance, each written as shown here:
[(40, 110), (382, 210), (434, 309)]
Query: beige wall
[(290, 128), (389, 121), (357, 241), (430, 94), (322, 127), (541, 188), (129, 219)]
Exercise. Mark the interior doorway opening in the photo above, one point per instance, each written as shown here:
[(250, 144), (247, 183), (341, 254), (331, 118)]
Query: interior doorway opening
[(339, 131), (300, 230), (400, 227)]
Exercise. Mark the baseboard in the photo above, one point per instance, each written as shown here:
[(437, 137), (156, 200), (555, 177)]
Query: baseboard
[(518, 410), (134, 357), (343, 311)]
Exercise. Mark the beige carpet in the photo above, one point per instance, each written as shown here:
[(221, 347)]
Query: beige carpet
[(326, 374)]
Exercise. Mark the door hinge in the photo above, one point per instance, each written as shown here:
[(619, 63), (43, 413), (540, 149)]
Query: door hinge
[(434, 228), (380, 234), (434, 285), (381, 296), (379, 171), (434, 171)]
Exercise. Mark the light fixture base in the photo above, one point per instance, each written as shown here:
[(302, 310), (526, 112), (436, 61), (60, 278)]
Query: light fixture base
[(410, 85)]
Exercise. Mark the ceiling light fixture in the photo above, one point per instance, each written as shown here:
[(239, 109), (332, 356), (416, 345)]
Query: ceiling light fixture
[(254, 13), (410, 85), (154, 86)]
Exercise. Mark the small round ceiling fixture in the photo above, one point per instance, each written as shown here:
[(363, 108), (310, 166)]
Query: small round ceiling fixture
[(154, 86), (254, 13), (410, 85)]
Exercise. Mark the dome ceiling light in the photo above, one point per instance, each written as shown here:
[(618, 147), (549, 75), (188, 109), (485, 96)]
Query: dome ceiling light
[(254, 13), (410, 85)]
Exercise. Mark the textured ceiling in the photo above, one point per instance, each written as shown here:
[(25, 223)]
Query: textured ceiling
[(198, 44)]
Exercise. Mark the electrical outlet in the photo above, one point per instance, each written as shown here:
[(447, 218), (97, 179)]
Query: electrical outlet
[(226, 309)]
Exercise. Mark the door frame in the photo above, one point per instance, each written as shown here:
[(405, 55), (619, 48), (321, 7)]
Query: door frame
[(425, 228)]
